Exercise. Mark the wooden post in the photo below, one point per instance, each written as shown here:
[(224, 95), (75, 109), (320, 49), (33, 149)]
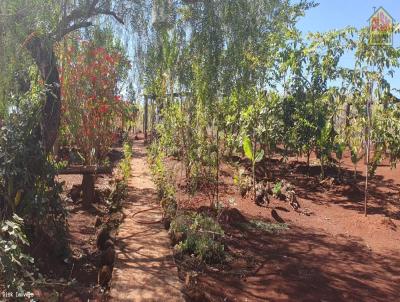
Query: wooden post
[(88, 190), (348, 111), (86, 170), (146, 115), (152, 115), (217, 166), (368, 144)]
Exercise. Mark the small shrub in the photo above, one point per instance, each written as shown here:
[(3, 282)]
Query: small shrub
[(200, 235), (180, 227), (277, 189), (170, 208), (161, 177), (27, 185), (14, 263), (165, 189), (125, 164), (193, 233), (27, 189), (118, 193), (242, 181)]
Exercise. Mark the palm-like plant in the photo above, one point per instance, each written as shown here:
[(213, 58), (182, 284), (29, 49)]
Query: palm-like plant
[(250, 151)]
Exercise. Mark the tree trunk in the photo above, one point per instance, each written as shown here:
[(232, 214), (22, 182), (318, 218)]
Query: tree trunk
[(217, 176), (348, 111), (322, 168), (254, 165), (355, 173), (41, 50), (145, 118), (88, 190)]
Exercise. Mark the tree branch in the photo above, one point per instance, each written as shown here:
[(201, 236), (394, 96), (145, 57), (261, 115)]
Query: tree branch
[(110, 13), (57, 36), (79, 17)]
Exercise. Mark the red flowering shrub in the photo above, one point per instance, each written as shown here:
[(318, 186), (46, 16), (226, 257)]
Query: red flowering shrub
[(90, 100)]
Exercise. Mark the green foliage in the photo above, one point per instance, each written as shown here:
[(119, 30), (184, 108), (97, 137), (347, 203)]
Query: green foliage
[(248, 151), (248, 148), (170, 208), (125, 164), (254, 156), (201, 236), (242, 181), (161, 177), (118, 193), (15, 265), (197, 152), (277, 189), (27, 182), (274, 228), (196, 233), (19, 19), (339, 150), (208, 54), (325, 145)]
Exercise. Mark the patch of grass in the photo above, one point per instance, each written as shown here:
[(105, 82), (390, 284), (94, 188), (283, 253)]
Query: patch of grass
[(199, 235), (273, 228)]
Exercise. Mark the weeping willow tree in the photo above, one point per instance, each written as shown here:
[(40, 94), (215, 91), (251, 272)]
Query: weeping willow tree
[(215, 52)]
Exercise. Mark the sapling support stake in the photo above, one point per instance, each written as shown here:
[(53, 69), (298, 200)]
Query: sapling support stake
[(217, 176), (368, 142), (254, 166)]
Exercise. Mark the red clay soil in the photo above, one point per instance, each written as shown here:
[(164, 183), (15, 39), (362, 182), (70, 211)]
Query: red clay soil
[(330, 252), (82, 264)]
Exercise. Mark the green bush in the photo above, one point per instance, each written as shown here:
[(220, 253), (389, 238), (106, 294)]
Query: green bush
[(125, 164), (14, 263), (194, 233), (200, 235), (161, 177), (181, 224), (242, 181), (28, 190), (117, 195), (277, 189), (27, 185), (170, 208)]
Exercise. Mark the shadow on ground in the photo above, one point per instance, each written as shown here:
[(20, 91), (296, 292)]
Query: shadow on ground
[(302, 265)]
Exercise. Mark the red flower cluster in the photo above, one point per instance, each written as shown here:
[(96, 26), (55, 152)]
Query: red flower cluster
[(89, 81)]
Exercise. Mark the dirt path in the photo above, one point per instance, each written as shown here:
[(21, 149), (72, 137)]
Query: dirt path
[(144, 269)]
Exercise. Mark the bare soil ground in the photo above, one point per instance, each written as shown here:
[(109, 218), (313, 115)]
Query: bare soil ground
[(73, 278), (333, 253)]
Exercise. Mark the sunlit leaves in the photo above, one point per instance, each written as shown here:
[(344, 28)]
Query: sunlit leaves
[(89, 82)]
